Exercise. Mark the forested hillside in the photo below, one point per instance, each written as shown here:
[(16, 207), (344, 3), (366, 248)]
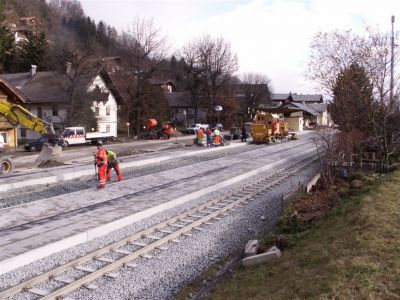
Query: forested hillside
[(59, 30)]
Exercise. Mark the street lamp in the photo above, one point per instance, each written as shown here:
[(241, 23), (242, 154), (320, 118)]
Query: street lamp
[(184, 114), (127, 125), (218, 108)]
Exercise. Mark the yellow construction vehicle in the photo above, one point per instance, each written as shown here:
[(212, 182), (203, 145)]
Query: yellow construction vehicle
[(267, 128), (17, 115)]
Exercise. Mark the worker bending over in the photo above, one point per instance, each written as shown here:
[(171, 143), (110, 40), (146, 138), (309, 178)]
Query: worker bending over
[(113, 162), (101, 163)]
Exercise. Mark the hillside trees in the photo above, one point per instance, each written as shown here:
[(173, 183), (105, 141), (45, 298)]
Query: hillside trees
[(334, 53), (6, 42), (34, 50), (256, 88)]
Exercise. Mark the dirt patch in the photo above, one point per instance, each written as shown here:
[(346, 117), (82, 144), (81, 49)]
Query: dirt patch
[(51, 164)]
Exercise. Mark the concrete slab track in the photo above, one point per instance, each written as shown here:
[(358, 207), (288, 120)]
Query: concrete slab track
[(69, 172)]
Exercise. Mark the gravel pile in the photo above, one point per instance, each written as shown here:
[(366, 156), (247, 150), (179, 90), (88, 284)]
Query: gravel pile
[(164, 275)]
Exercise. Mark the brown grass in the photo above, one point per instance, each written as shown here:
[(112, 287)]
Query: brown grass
[(354, 253)]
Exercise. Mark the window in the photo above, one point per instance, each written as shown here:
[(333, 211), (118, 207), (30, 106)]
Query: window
[(39, 112), (97, 111), (23, 132), (55, 110), (3, 137), (108, 110), (79, 132), (108, 128)]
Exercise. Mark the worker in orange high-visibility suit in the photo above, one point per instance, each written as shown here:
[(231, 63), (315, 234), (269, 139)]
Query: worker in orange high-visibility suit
[(217, 137), (200, 136), (101, 163)]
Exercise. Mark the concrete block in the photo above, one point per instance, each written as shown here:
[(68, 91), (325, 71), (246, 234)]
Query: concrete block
[(312, 182), (251, 248), (261, 258), (275, 249)]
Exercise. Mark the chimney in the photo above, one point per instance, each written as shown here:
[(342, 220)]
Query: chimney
[(33, 70), (68, 67)]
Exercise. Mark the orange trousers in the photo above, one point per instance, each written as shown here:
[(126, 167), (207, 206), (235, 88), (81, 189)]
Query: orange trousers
[(117, 170), (216, 140), (101, 173)]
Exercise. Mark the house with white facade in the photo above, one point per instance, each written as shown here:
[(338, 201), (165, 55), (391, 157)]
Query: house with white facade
[(48, 96), (105, 108)]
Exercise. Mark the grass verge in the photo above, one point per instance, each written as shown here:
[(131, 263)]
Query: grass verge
[(354, 253)]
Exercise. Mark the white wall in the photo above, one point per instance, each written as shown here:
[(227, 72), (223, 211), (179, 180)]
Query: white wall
[(105, 122), (323, 119), (295, 123)]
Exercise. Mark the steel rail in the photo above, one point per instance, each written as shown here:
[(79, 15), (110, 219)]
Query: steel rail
[(24, 286)]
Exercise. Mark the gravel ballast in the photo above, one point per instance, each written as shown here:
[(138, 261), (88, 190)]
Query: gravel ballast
[(162, 276)]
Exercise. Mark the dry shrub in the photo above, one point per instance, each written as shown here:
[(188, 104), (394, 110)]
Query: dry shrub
[(312, 207), (350, 145)]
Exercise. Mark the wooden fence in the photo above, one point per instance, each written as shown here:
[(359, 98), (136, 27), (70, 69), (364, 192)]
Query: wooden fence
[(346, 169)]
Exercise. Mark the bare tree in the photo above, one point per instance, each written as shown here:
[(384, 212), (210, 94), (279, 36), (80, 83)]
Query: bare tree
[(80, 111), (218, 63), (256, 88), (143, 48), (193, 75), (210, 65), (333, 53)]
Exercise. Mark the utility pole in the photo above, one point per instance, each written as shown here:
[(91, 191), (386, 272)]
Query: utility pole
[(392, 62)]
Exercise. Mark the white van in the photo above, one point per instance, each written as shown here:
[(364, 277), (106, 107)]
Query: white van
[(78, 135)]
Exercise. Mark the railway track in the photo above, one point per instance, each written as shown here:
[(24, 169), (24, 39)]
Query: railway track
[(145, 241)]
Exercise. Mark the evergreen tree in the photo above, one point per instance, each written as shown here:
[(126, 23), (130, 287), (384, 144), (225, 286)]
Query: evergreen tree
[(34, 50), (352, 100), (6, 42)]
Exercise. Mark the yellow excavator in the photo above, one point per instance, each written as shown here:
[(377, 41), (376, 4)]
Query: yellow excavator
[(17, 115)]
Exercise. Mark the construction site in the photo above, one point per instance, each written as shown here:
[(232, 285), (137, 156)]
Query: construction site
[(63, 237)]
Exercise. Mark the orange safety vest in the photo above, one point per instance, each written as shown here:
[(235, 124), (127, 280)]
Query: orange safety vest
[(216, 139), (101, 157), (200, 133)]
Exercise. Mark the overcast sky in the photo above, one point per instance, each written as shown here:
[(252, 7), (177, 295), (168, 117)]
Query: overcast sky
[(269, 36)]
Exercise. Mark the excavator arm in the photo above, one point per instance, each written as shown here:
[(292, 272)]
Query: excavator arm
[(17, 115)]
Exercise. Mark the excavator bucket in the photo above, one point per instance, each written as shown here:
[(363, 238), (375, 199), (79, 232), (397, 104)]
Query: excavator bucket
[(48, 153)]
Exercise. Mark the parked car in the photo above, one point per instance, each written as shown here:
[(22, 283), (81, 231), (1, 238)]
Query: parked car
[(192, 128), (218, 126), (37, 145)]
